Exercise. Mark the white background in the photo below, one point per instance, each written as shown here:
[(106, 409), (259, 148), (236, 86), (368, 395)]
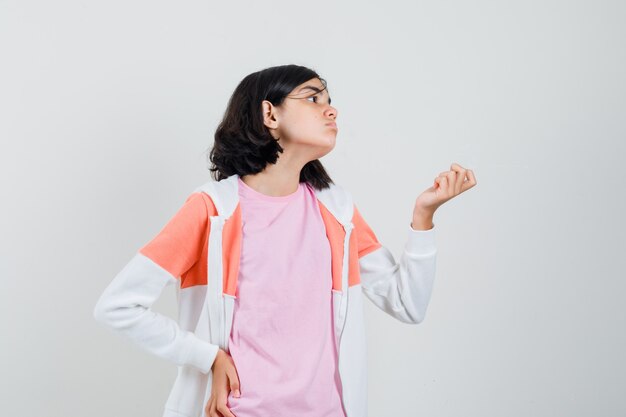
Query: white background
[(108, 111)]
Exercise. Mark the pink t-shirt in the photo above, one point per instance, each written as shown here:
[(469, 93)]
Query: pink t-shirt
[(282, 340)]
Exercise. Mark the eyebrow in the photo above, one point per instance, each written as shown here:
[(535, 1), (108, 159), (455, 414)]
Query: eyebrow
[(314, 88)]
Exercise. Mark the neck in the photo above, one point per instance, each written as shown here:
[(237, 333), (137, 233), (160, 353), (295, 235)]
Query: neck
[(279, 179)]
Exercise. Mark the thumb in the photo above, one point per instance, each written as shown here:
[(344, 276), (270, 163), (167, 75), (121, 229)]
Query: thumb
[(233, 380)]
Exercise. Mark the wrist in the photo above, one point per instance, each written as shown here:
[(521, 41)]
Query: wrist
[(422, 220), (218, 357)]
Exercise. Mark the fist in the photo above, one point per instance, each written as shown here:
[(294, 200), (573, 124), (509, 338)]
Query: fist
[(447, 185)]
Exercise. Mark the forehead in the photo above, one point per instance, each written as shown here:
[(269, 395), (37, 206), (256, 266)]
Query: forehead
[(314, 85)]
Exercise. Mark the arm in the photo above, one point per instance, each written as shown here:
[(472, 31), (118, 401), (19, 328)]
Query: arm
[(125, 305), (402, 289)]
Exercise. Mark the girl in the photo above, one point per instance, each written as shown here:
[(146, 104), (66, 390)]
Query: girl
[(270, 261)]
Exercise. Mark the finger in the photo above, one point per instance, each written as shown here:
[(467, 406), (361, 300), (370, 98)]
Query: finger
[(460, 177), (451, 182), (471, 180), (222, 407), (456, 166), (207, 407), (443, 184), (234, 381), (213, 412), (445, 174), (471, 176)]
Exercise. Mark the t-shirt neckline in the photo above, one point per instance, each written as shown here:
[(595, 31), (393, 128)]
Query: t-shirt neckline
[(251, 192)]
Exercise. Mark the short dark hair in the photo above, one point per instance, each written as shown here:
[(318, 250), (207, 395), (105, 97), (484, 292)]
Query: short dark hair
[(243, 144)]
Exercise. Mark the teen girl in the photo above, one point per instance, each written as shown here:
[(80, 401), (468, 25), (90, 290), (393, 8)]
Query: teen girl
[(270, 261)]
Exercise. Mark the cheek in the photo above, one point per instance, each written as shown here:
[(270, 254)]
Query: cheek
[(304, 126), (307, 120)]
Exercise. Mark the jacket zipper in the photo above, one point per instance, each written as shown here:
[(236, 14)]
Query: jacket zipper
[(344, 301), (344, 278), (223, 322), (220, 290), (214, 297)]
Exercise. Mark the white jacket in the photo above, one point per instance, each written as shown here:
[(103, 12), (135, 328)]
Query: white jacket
[(360, 265)]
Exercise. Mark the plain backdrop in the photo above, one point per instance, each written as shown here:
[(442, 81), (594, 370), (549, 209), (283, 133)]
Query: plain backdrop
[(108, 110)]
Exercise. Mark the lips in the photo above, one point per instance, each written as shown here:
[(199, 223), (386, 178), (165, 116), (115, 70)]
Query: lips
[(332, 124)]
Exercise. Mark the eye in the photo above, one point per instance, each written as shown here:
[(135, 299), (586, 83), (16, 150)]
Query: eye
[(316, 99)]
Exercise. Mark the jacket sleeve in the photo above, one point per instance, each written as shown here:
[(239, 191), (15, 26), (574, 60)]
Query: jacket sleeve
[(125, 304), (402, 289)]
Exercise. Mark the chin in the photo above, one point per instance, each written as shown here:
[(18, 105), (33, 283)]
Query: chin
[(328, 141), (320, 146), (324, 150)]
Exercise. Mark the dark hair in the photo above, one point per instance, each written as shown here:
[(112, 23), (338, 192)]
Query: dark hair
[(243, 144)]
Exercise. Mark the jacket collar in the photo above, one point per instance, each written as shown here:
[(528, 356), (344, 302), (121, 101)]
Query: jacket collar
[(336, 209), (225, 196)]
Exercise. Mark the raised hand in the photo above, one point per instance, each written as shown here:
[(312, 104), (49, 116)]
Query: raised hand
[(447, 185)]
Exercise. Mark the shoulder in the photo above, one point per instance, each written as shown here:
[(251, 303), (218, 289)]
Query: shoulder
[(338, 200), (200, 202), (221, 196)]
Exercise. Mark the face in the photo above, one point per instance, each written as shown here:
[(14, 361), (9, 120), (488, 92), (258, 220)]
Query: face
[(303, 122)]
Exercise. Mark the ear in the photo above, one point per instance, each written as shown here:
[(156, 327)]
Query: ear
[(270, 114)]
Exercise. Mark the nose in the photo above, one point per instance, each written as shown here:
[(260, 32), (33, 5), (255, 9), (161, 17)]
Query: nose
[(331, 112)]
